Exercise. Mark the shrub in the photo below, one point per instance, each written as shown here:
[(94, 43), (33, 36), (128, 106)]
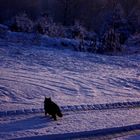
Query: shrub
[(22, 23), (78, 31), (45, 25), (111, 41)]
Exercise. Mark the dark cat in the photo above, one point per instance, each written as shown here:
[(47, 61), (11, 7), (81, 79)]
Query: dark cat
[(51, 108)]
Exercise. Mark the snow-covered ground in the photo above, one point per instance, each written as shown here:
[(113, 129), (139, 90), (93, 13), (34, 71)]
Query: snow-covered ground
[(29, 73), (70, 125)]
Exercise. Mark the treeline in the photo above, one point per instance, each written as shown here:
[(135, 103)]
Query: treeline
[(91, 13), (105, 25)]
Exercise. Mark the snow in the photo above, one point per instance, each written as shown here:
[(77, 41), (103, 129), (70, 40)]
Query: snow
[(134, 137), (132, 42), (29, 72), (72, 122)]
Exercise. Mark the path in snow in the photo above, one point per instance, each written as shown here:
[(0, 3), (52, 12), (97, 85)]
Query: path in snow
[(124, 135), (124, 105), (73, 122)]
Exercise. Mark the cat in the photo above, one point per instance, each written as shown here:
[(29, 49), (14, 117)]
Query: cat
[(52, 108)]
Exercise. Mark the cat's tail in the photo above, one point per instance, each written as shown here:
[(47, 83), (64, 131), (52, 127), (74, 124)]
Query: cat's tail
[(59, 114)]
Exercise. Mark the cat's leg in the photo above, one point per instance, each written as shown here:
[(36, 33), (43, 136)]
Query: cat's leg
[(45, 112), (54, 117)]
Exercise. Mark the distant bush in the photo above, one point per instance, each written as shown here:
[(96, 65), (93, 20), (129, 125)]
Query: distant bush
[(45, 25), (42, 24), (87, 41), (22, 23), (111, 41), (3, 31), (119, 22), (78, 31)]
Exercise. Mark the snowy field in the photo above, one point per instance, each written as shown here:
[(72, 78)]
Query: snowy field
[(29, 73)]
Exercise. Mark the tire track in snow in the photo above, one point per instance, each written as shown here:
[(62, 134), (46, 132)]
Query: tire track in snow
[(29, 82), (76, 108), (45, 85), (43, 82), (93, 134), (4, 91), (38, 80)]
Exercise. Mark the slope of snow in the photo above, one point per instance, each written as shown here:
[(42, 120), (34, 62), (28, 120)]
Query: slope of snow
[(29, 73)]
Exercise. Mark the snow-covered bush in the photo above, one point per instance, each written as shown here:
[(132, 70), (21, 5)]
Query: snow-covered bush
[(78, 31), (90, 35), (22, 23), (134, 19), (87, 46), (117, 20), (3, 31), (45, 25), (60, 31), (111, 41), (42, 24), (134, 40)]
